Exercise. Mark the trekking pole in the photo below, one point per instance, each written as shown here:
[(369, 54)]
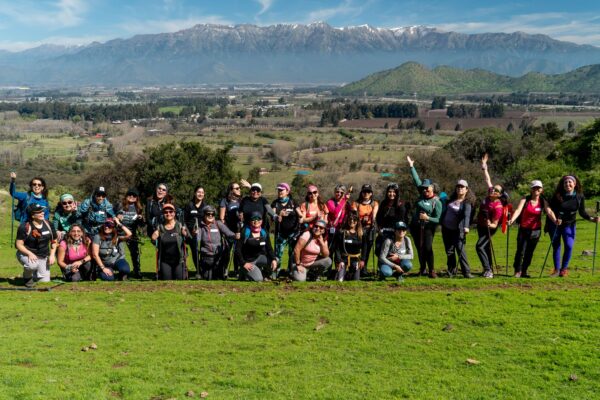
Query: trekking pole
[(12, 221), (556, 227), (595, 238), (507, 242), (157, 258)]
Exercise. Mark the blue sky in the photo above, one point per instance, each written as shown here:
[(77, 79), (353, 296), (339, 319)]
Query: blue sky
[(29, 23)]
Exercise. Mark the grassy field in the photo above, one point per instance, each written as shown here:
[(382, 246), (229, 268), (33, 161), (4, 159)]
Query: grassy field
[(444, 338)]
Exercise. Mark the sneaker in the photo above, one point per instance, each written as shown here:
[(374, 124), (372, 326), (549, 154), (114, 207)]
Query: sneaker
[(564, 273), (432, 275), (517, 274), (488, 274), (555, 273), (401, 278), (422, 272), (29, 283), (452, 272), (468, 275), (136, 275)]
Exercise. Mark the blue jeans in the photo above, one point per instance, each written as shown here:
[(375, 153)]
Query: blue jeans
[(386, 270), (122, 266)]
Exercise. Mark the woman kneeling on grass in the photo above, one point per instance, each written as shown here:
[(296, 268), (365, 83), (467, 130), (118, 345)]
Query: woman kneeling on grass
[(170, 237), (34, 236), (311, 244), (74, 255), (108, 250), (530, 228), (350, 249), (255, 252), (567, 201), (396, 254)]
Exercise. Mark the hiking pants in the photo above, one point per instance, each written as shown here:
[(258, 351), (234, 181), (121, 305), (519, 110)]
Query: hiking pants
[(170, 271), (83, 274), (259, 266), (212, 267), (527, 240), (454, 243), (387, 271), (369, 237), (313, 271), (121, 266), (133, 244), (193, 243), (567, 233), (39, 270), (424, 245), (484, 247), (349, 272), (280, 243)]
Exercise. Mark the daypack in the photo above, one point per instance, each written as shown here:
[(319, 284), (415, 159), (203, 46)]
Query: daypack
[(246, 236), (20, 208), (29, 229)]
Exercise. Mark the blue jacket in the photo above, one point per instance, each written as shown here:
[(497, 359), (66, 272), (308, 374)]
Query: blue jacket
[(27, 198), (93, 215)]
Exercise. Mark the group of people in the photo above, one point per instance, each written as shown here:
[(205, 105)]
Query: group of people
[(332, 238)]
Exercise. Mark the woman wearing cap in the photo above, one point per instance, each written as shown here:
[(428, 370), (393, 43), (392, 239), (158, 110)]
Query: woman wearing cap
[(154, 205), (75, 256), (37, 194), (108, 250), (311, 253), (169, 238), (228, 214), (567, 201), (95, 210), (131, 215), (426, 218), (210, 237), (254, 251), (367, 209), (530, 227), (350, 249), (286, 224), (456, 218), (396, 254), (193, 215), (313, 209), (337, 208), (255, 203), (65, 215), (36, 246)]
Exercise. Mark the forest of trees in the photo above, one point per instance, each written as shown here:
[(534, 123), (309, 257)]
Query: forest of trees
[(357, 110)]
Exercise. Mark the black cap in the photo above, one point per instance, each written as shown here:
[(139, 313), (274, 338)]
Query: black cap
[(400, 225), (256, 216), (133, 191), (100, 190), (35, 208), (367, 188)]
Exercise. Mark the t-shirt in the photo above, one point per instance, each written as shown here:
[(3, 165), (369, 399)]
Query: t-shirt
[(452, 216), (109, 253), (73, 254), (310, 252), (310, 211), (231, 213), (39, 239), (491, 210), (248, 207)]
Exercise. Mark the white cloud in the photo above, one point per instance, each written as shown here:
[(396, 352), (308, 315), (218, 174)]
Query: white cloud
[(57, 14), (12, 45), (346, 7), (265, 5), (171, 25)]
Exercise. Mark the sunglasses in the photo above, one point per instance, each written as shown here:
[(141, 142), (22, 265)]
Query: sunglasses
[(255, 190), (314, 193), (161, 189), (320, 228), (67, 203), (100, 195), (496, 190), (209, 214), (168, 212), (132, 195), (36, 185), (109, 226)]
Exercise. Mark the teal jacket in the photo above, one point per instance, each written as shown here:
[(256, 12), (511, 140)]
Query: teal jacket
[(432, 207)]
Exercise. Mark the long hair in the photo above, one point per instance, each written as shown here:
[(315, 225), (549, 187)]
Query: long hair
[(353, 216), (193, 200), (469, 196), (137, 204), (69, 239), (44, 191), (230, 193), (114, 238), (320, 203), (386, 202), (560, 187)]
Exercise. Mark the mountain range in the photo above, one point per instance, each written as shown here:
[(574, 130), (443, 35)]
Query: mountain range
[(285, 53), (413, 77)]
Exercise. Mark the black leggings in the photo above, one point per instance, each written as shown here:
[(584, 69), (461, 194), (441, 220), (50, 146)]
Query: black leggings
[(171, 271), (133, 244), (527, 240), (484, 247), (424, 245)]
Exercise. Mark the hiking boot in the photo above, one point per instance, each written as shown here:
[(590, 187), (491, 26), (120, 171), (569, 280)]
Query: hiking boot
[(432, 274), (422, 272), (29, 283), (488, 274), (555, 273), (136, 275), (452, 273), (468, 275), (517, 274), (564, 273), (525, 275)]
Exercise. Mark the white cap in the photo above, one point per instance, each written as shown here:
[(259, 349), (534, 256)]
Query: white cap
[(462, 182), (536, 183), (256, 185)]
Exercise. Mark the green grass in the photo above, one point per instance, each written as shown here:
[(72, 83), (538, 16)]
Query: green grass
[(174, 109)]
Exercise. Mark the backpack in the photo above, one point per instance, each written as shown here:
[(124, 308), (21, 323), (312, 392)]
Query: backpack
[(246, 236), (29, 229), (20, 208)]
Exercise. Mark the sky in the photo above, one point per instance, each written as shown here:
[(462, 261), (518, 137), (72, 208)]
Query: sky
[(29, 23)]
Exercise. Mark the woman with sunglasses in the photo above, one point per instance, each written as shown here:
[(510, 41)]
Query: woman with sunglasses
[(255, 203), (228, 214), (488, 219), (37, 194), (65, 215), (456, 219), (95, 210), (75, 256), (108, 250), (131, 215), (169, 238), (255, 252), (568, 200), (350, 249), (367, 209), (312, 254), (313, 209), (396, 254), (428, 210), (212, 246), (154, 206), (337, 208), (193, 214), (286, 224), (530, 227), (391, 210)]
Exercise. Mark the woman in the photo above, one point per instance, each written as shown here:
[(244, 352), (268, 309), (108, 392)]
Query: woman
[(286, 224), (74, 256), (367, 209), (131, 215), (426, 218), (65, 215), (170, 237), (530, 227), (311, 253), (36, 246), (254, 251), (228, 214), (154, 206), (193, 215), (108, 250), (391, 210), (212, 246), (37, 194), (456, 218), (337, 208), (95, 210), (490, 215), (568, 200), (396, 254), (350, 249), (313, 209), (255, 203)]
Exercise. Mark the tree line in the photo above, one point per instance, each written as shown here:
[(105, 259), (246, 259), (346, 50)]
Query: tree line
[(356, 110)]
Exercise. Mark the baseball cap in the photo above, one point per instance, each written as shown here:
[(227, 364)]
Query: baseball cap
[(536, 183), (462, 182)]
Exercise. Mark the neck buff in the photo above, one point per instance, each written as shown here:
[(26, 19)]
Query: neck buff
[(255, 229), (77, 242), (36, 196), (284, 200)]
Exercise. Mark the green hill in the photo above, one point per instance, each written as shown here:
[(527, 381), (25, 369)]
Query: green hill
[(412, 77)]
